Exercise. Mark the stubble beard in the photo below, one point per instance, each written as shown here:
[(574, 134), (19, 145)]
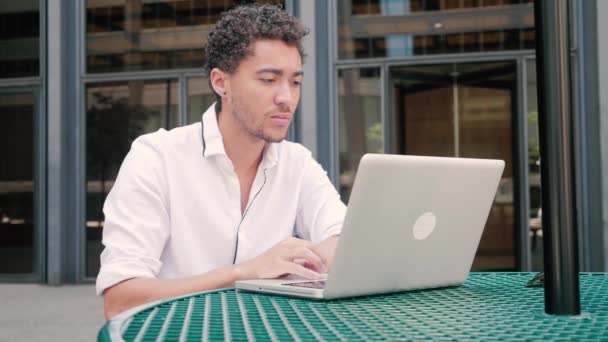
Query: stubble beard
[(247, 120)]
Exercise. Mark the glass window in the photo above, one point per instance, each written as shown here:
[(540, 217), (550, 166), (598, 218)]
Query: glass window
[(17, 183), (398, 28), (200, 97), (463, 110), (117, 113), (150, 34), (19, 38), (360, 121)]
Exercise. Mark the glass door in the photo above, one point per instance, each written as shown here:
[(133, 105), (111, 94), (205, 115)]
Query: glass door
[(463, 110), (19, 239), (533, 167)]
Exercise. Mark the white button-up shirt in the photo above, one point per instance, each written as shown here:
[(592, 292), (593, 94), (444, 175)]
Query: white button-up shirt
[(175, 209)]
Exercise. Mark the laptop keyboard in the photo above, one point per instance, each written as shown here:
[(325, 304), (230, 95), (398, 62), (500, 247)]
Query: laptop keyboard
[(318, 284)]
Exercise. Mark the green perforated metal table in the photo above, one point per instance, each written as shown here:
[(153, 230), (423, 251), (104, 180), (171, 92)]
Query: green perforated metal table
[(488, 306)]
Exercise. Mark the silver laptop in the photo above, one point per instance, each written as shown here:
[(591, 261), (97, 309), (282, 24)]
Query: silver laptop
[(412, 223)]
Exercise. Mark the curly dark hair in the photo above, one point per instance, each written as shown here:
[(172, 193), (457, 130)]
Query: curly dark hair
[(231, 40)]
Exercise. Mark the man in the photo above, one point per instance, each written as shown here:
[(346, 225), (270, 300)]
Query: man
[(199, 207)]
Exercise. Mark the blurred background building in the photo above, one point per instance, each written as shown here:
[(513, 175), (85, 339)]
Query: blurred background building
[(80, 80)]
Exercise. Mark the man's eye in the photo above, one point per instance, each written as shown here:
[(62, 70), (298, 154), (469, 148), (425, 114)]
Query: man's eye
[(267, 80), (297, 83)]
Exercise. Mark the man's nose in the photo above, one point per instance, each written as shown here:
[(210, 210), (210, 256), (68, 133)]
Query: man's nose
[(285, 94)]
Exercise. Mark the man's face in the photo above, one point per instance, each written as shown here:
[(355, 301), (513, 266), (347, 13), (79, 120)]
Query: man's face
[(265, 90)]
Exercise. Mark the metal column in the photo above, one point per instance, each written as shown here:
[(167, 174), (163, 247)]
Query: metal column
[(557, 164)]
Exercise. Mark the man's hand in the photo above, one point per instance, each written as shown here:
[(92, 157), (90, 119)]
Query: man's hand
[(326, 249), (291, 256)]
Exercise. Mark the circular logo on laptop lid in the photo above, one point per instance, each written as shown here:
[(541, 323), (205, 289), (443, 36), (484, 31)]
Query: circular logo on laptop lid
[(424, 226)]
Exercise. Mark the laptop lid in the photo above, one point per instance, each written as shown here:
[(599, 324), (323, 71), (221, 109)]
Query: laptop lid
[(412, 223)]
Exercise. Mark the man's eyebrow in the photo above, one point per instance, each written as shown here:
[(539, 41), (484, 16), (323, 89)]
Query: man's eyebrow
[(278, 72), (270, 70)]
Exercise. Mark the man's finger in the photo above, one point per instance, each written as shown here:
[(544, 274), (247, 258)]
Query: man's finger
[(308, 255), (306, 264), (301, 271)]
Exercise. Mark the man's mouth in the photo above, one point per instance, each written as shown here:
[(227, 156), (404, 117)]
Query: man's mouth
[(281, 119)]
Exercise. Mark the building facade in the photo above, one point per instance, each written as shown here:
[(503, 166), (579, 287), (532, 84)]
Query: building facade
[(79, 81)]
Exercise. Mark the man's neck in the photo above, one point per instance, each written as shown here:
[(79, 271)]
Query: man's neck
[(244, 150)]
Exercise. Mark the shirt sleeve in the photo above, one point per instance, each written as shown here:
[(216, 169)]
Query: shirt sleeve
[(137, 221), (320, 210)]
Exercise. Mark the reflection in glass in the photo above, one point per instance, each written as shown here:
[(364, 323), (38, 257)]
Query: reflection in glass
[(19, 38), (393, 28), (117, 113), (534, 178), (360, 121), (200, 97), (150, 34), (17, 183), (463, 110)]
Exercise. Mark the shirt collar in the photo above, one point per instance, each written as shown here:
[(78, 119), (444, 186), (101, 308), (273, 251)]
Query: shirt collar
[(212, 138), (213, 143), (271, 156)]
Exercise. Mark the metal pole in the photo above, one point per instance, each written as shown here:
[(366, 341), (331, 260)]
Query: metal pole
[(557, 168)]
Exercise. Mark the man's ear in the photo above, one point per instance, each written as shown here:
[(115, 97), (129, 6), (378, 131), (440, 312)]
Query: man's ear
[(219, 81)]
